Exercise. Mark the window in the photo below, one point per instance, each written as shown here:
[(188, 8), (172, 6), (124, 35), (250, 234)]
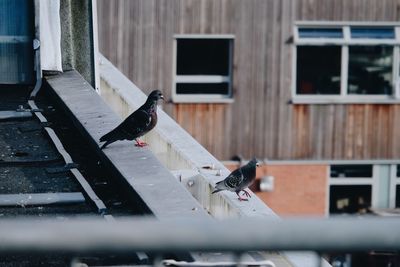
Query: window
[(355, 188), (398, 171), (350, 198), (203, 68), (370, 70), (351, 171), (350, 188), (346, 63), (396, 182), (327, 81)]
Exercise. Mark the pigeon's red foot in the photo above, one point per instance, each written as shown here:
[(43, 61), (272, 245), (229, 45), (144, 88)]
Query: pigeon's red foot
[(245, 193), (240, 198), (140, 143)]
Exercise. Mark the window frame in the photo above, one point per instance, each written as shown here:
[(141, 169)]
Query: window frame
[(394, 182), (344, 42), (374, 181), (350, 181), (203, 98)]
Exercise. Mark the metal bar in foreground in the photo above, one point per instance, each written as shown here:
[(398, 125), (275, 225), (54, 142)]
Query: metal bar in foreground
[(151, 235)]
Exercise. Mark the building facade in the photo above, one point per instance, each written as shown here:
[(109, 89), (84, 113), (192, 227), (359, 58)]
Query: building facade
[(312, 86)]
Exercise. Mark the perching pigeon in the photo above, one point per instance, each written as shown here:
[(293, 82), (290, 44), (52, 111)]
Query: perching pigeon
[(239, 179), (137, 124)]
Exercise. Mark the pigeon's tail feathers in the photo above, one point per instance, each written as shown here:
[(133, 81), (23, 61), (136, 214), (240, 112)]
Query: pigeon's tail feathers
[(216, 191), (105, 144), (107, 137), (110, 137), (219, 187)]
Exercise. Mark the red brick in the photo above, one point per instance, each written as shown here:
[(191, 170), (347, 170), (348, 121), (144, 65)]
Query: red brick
[(298, 189)]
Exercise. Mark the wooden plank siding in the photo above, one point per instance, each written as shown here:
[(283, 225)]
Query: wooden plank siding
[(137, 36)]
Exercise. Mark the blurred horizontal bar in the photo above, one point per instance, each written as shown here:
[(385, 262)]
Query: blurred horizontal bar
[(150, 235)]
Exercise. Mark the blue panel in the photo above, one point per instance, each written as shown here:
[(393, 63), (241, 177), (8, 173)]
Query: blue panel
[(14, 15), (16, 35), (372, 32), (320, 33)]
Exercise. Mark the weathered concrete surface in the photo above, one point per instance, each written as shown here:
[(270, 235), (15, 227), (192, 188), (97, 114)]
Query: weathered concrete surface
[(77, 42), (152, 182)]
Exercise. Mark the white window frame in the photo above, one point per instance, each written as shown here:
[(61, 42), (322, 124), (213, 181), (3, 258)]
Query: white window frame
[(372, 181), (394, 182), (202, 98), (345, 42)]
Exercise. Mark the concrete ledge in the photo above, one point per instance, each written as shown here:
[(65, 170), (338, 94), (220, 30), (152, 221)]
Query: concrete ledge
[(178, 151), (138, 167)]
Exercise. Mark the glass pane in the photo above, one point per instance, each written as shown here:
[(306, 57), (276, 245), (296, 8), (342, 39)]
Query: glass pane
[(16, 52), (203, 56), (202, 88), (16, 18), (398, 171), (373, 33), (318, 69), (397, 196), (349, 198), (16, 63), (320, 33), (370, 70), (351, 171)]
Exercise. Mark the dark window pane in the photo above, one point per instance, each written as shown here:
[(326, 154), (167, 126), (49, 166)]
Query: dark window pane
[(375, 33), (320, 33), (370, 70), (349, 198), (397, 196), (203, 56), (398, 171), (318, 69), (353, 171), (202, 88)]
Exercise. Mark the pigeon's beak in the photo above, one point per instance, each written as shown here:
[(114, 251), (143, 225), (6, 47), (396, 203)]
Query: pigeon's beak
[(258, 164), (162, 97)]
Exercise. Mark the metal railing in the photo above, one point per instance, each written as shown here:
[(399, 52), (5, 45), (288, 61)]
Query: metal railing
[(150, 235)]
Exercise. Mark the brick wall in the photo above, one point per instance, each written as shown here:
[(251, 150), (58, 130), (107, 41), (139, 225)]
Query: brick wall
[(298, 189)]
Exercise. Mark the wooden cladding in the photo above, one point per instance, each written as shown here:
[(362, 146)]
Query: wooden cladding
[(137, 36), (362, 131)]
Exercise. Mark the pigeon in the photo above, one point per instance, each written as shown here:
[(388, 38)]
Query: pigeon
[(239, 179), (137, 124)]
